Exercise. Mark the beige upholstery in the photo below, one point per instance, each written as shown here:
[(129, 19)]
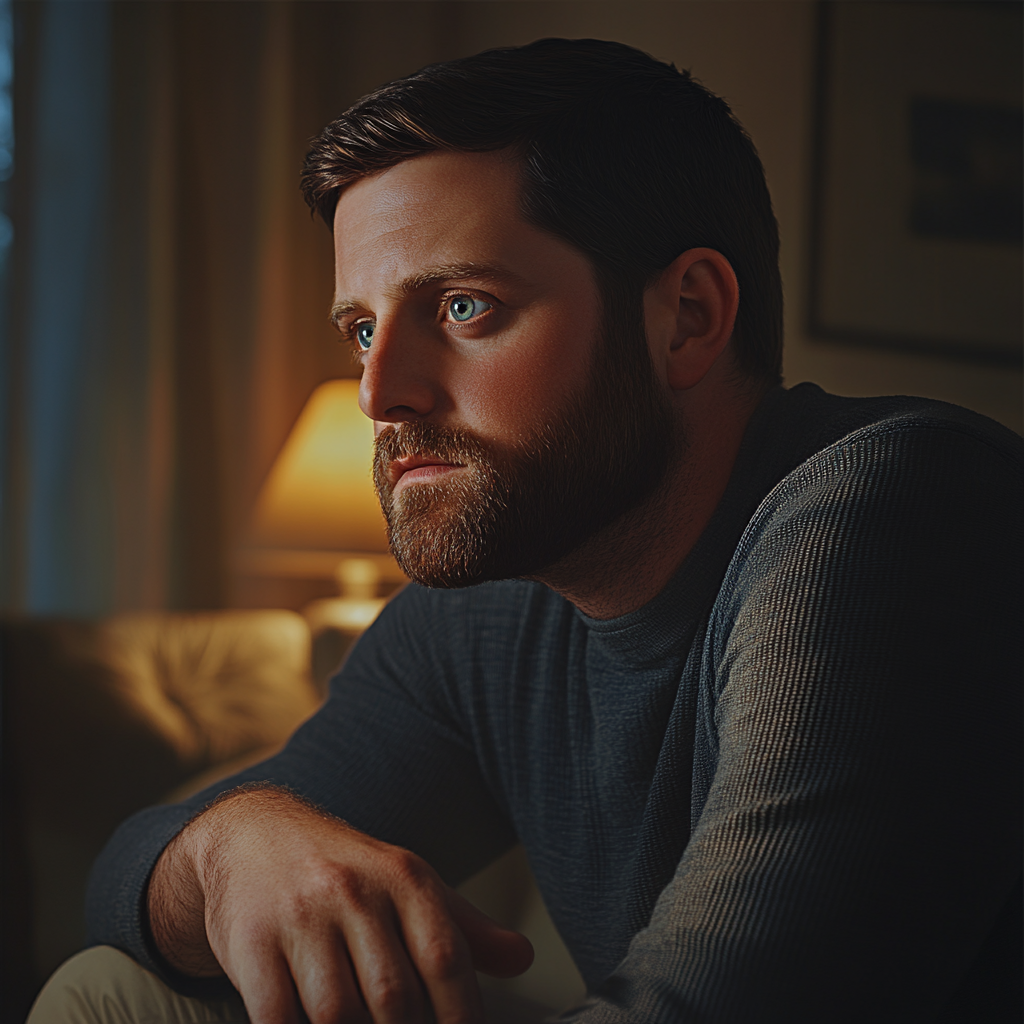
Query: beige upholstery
[(211, 686), (103, 718)]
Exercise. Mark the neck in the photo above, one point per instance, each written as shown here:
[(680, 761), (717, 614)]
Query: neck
[(630, 561)]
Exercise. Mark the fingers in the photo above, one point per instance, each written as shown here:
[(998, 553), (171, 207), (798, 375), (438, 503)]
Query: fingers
[(265, 985), (442, 958), (409, 956), (497, 951), (326, 984), (380, 970), (312, 982), (390, 986)]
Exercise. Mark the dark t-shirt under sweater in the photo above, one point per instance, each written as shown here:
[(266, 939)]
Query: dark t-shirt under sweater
[(787, 789)]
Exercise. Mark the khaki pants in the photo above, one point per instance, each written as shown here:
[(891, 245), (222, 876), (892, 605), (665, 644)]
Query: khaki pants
[(103, 986)]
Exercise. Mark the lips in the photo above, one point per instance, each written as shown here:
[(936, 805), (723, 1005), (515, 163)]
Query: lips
[(421, 468)]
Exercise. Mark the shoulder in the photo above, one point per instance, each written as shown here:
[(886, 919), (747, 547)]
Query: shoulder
[(906, 499), (815, 423), (869, 460), (882, 571)]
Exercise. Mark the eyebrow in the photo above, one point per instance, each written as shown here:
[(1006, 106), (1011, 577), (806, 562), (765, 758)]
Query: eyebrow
[(434, 275)]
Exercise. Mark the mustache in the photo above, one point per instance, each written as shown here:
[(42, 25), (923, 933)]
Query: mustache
[(448, 444), (427, 440)]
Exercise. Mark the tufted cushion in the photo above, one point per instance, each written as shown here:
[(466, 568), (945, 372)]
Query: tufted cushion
[(213, 687)]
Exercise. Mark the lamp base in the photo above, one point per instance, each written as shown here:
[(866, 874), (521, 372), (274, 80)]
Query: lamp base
[(347, 614)]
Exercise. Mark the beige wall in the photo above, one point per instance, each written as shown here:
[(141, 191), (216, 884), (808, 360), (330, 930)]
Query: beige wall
[(760, 56)]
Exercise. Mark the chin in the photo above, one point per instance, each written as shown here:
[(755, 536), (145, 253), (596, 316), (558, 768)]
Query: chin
[(452, 540)]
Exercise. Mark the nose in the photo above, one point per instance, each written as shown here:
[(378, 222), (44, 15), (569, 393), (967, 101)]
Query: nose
[(398, 383)]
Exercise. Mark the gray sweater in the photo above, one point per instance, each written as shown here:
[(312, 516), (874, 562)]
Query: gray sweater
[(787, 789)]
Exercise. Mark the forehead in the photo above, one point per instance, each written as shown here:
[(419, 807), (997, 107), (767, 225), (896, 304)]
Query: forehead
[(436, 209), (431, 200)]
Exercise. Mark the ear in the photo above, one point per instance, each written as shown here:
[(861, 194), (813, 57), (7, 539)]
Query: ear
[(690, 312)]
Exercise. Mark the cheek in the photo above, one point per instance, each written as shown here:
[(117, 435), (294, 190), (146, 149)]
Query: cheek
[(518, 387)]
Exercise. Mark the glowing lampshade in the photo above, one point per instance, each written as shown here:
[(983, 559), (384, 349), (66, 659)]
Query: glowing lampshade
[(319, 494), (317, 515)]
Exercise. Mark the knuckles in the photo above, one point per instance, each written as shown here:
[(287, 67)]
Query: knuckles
[(332, 882), (247, 936), (408, 870), (368, 886), (443, 958), (389, 994)]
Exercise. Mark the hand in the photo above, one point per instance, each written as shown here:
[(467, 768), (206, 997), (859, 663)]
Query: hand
[(300, 909)]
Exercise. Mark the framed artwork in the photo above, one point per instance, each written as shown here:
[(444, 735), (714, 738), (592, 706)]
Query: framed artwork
[(917, 205)]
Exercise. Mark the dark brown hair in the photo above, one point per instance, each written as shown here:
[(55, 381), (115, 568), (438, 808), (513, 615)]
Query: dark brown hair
[(624, 157)]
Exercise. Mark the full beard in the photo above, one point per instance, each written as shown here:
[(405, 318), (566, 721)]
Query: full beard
[(516, 509)]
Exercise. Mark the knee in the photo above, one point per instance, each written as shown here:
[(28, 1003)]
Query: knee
[(81, 989), (102, 985)]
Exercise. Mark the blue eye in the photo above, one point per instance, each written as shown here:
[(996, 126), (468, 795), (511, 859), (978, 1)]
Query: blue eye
[(465, 307), (364, 334)]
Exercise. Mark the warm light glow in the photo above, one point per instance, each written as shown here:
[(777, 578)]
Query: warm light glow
[(319, 494)]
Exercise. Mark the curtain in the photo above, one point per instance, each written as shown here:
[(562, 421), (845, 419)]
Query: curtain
[(169, 289)]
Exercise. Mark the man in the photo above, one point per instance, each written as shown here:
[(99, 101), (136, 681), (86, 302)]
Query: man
[(739, 666)]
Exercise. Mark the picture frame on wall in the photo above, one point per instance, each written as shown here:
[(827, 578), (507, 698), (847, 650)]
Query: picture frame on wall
[(917, 216)]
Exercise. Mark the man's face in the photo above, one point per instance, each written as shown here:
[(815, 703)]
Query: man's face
[(513, 420)]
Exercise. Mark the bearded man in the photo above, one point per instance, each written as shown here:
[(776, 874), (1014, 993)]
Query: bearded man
[(738, 665)]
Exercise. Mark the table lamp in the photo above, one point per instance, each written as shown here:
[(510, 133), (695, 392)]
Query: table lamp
[(317, 514)]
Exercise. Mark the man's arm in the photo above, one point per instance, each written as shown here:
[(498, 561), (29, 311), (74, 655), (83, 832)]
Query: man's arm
[(228, 887), (860, 836)]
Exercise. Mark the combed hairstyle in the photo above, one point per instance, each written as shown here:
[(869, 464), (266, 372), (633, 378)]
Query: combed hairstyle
[(626, 158)]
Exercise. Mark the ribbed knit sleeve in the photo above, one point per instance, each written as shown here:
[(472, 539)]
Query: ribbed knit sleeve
[(857, 819)]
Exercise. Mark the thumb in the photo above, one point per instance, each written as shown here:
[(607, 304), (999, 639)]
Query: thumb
[(497, 951)]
